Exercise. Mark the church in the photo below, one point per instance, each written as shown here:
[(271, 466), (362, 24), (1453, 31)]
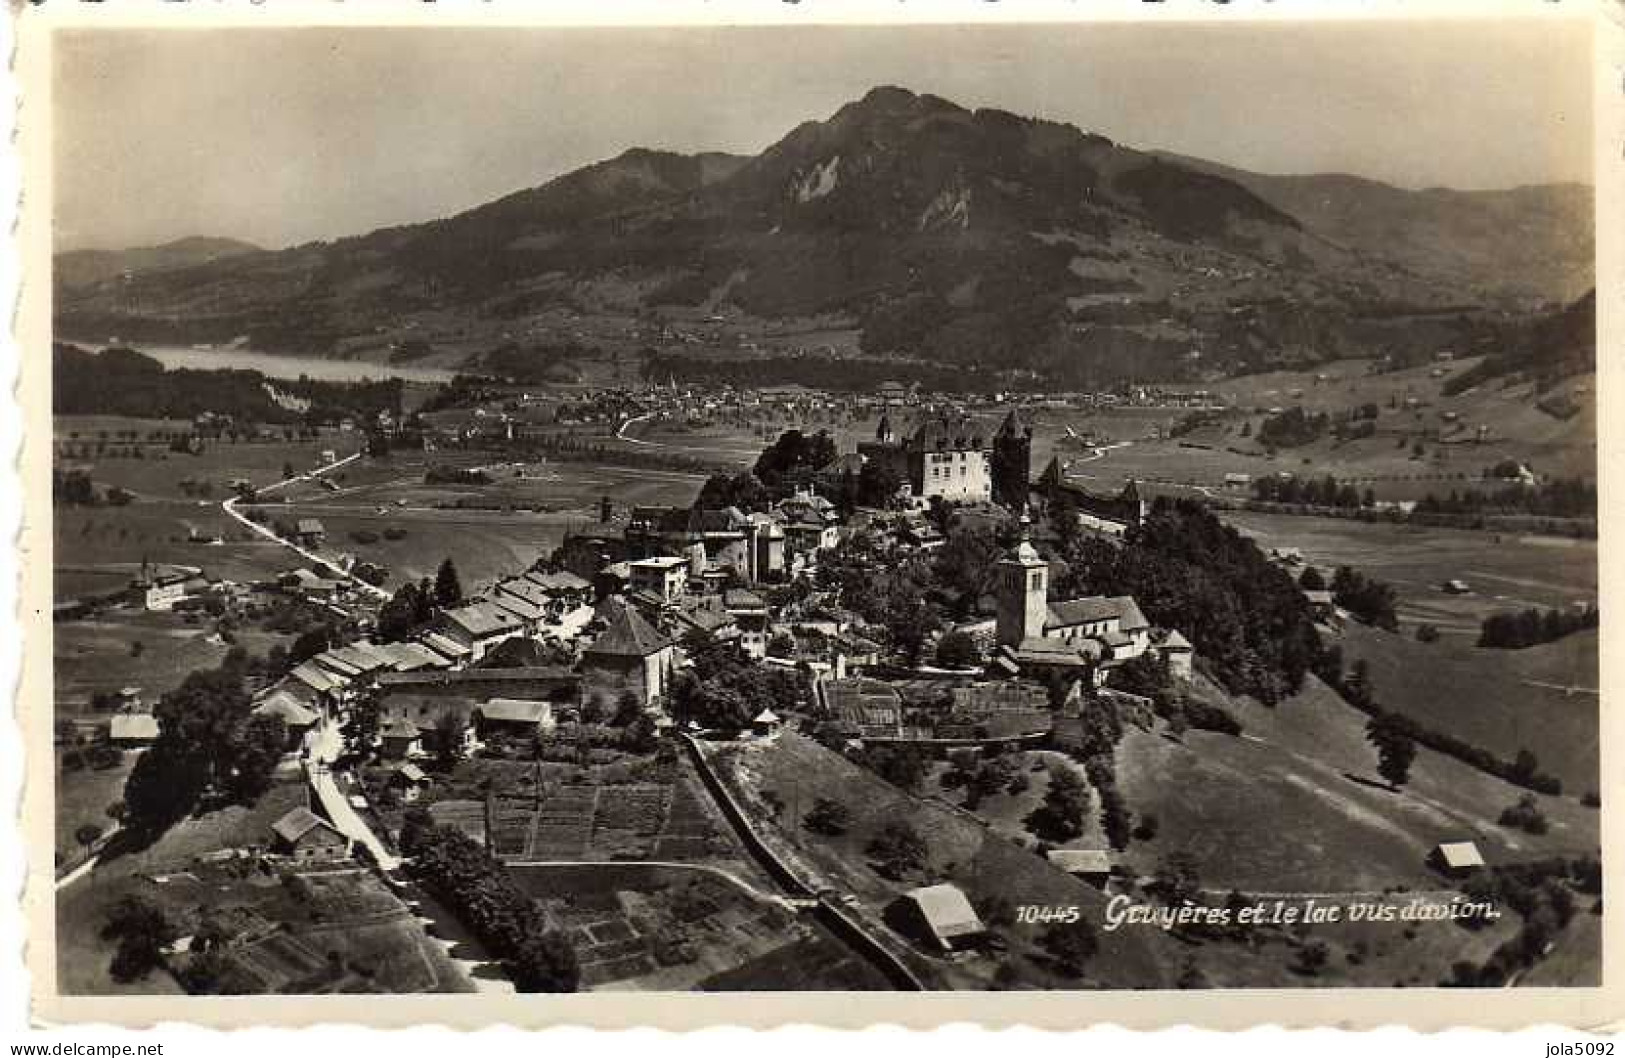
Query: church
[(1092, 635)]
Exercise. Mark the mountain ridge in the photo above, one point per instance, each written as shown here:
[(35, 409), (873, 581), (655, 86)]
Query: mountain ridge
[(962, 236)]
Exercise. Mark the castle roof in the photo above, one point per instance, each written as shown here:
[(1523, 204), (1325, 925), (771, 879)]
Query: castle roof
[(629, 635)]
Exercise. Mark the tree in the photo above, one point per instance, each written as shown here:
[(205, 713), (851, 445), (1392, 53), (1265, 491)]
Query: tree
[(1071, 945), (1311, 579), (903, 765), (256, 748), (450, 728), (399, 616), (1176, 879), (828, 817), (142, 931), (957, 650), (1395, 749), (898, 850), (1066, 804), (87, 834), (448, 589), (628, 709), (545, 962)]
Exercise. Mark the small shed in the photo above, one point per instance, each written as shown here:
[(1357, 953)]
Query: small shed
[(767, 722), (133, 730), (1456, 858), (310, 531), (410, 780), (941, 915), (1092, 865)]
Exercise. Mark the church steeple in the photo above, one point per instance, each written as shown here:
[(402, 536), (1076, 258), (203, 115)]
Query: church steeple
[(1023, 590)]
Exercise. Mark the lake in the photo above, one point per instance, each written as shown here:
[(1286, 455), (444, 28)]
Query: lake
[(274, 365)]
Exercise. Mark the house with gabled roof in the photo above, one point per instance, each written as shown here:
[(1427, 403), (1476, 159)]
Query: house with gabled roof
[(308, 838), (479, 626), (939, 916)]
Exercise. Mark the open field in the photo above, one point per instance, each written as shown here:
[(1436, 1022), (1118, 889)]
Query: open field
[(1294, 804), (1502, 700), (1505, 572), (95, 546), (487, 538), (82, 797)]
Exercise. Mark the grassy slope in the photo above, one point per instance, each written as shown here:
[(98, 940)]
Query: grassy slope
[(963, 851), (1294, 804), (1481, 695)]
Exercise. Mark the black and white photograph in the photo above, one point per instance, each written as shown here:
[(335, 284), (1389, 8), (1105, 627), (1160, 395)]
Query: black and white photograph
[(985, 507)]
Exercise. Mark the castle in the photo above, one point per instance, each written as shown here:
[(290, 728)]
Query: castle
[(948, 457)]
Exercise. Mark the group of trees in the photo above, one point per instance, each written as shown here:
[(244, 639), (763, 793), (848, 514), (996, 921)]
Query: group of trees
[(1371, 600), (1061, 815), (1512, 631), (1311, 492), (414, 604), (122, 381), (73, 488), (885, 591), (793, 459), (982, 774), (1556, 498), (1542, 893), (725, 690), (458, 870), (210, 745), (1292, 428), (1188, 570)]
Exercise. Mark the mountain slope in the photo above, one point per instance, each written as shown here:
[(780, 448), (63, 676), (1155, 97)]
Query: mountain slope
[(79, 267), (1525, 244), (964, 237)]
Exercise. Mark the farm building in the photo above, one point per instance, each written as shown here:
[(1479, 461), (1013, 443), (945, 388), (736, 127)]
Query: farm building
[(514, 717), (310, 532), (1321, 604), (1092, 865), (133, 730), (939, 915), (1456, 858), (308, 838), (160, 591)]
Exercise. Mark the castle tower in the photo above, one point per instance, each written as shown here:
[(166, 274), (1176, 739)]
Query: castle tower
[(1011, 461), (1023, 591)]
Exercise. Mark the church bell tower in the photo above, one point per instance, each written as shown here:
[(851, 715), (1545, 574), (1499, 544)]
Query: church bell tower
[(1023, 593)]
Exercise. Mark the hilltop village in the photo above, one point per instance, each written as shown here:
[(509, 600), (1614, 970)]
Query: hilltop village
[(903, 701)]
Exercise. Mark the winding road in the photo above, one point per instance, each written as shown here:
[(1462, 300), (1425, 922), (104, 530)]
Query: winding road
[(230, 507)]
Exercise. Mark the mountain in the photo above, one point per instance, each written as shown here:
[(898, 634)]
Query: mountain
[(81, 267), (970, 238), (1532, 243)]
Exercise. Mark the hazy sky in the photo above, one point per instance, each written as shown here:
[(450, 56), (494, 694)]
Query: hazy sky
[(281, 137)]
